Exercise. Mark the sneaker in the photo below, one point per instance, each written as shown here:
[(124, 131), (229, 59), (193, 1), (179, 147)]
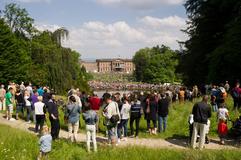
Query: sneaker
[(12, 119), (28, 121), (118, 141), (132, 136)]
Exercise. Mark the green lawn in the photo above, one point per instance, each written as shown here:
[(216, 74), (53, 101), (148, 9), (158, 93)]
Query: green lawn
[(16, 144), (177, 121)]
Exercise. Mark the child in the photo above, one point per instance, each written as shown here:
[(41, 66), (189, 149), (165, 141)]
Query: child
[(222, 116), (222, 130), (45, 143), (90, 118)]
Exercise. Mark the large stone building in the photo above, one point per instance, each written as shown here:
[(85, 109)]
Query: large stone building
[(110, 65)]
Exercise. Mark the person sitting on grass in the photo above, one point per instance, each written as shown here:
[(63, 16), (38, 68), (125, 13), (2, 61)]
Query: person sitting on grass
[(45, 142), (90, 118)]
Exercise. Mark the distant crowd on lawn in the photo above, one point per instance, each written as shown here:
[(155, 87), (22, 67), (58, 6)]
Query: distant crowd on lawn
[(119, 110)]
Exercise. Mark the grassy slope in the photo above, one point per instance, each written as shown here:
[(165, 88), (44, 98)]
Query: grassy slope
[(15, 144), (177, 121)]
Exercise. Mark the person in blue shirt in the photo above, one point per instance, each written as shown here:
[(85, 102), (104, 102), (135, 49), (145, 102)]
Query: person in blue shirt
[(45, 143)]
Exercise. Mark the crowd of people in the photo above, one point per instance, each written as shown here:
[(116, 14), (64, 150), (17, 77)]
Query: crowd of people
[(119, 110)]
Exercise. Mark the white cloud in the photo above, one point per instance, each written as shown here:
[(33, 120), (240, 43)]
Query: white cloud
[(42, 27), (96, 39), (140, 4), (34, 1), (172, 21)]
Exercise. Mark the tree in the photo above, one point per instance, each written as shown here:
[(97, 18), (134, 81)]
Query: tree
[(18, 20), (210, 23), (14, 56), (155, 65)]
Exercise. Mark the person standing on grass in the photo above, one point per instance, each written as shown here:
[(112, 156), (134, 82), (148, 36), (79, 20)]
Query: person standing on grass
[(73, 115), (45, 143), (40, 110), (112, 115), (95, 103), (236, 94), (34, 99), (125, 115), (201, 112), (163, 105), (20, 103), (151, 114), (2, 98), (136, 111), (53, 116), (9, 104), (27, 99), (90, 118)]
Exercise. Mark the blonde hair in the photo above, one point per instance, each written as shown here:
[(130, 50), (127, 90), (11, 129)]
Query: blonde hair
[(45, 129), (40, 98)]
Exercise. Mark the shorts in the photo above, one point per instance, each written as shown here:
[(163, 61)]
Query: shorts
[(10, 108)]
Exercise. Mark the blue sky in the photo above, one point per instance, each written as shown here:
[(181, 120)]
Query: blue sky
[(110, 28)]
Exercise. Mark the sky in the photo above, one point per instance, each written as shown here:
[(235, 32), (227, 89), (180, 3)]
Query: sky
[(110, 28)]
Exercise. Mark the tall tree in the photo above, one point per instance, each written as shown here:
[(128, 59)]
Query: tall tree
[(18, 20), (156, 65), (209, 24)]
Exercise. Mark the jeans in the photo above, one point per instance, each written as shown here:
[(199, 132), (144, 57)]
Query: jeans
[(112, 135), (121, 126), (198, 128), (137, 121), (29, 110), (215, 108), (162, 121), (91, 134), (20, 108), (73, 130)]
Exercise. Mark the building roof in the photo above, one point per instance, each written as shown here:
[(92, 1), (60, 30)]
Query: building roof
[(114, 59)]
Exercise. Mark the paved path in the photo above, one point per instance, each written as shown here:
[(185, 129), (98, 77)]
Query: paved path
[(144, 142)]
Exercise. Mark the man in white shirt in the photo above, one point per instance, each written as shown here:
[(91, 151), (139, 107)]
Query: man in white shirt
[(110, 112)]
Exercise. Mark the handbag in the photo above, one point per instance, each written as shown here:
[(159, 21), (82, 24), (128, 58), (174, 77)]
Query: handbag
[(115, 118)]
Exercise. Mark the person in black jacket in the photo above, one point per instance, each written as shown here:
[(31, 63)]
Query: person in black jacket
[(135, 116), (20, 104), (53, 117), (163, 105), (201, 112)]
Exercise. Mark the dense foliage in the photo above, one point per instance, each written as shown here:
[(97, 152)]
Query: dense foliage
[(213, 51), (155, 65), (27, 54)]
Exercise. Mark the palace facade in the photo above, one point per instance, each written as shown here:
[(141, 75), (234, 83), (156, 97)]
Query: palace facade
[(110, 65)]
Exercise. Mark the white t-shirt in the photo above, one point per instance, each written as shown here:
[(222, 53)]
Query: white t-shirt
[(222, 113), (39, 108), (27, 102), (125, 111)]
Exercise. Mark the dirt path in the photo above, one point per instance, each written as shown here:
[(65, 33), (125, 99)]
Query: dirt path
[(144, 142)]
